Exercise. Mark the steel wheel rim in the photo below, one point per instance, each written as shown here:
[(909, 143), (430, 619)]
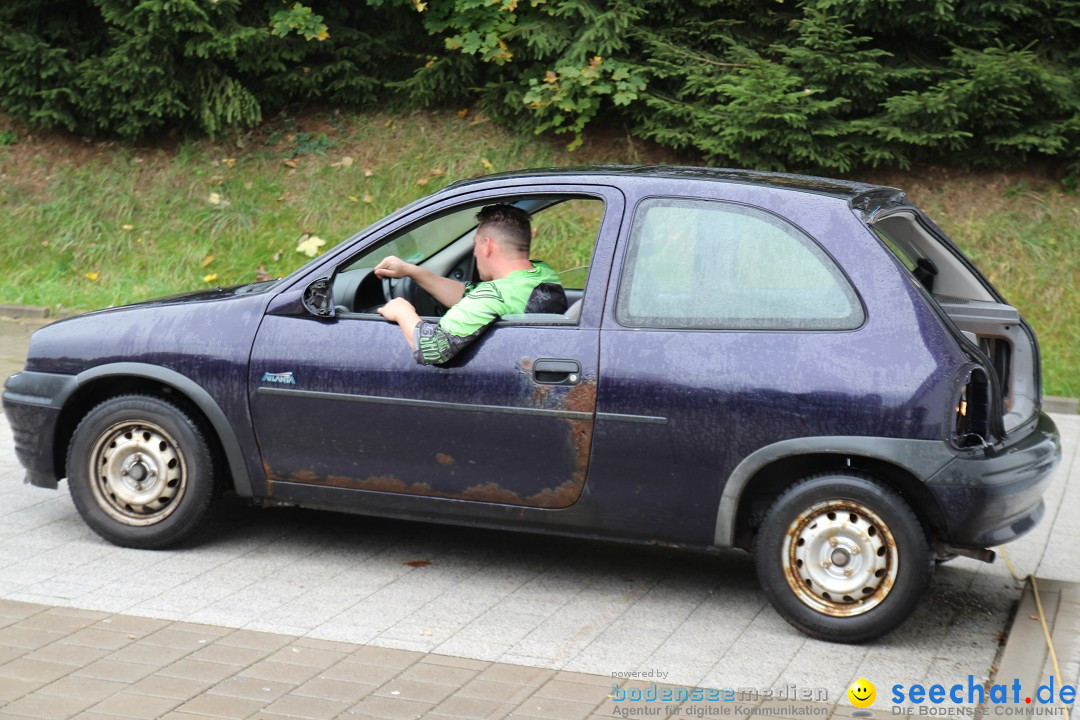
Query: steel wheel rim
[(137, 473), (840, 558)]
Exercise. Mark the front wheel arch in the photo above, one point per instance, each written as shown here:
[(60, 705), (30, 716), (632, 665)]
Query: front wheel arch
[(106, 381)]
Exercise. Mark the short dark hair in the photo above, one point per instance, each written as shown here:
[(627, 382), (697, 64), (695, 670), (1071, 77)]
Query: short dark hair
[(511, 223)]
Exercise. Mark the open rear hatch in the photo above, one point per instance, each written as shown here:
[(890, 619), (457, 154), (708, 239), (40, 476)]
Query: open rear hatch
[(1002, 390)]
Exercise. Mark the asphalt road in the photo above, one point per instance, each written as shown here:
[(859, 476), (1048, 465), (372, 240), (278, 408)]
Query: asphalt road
[(515, 598)]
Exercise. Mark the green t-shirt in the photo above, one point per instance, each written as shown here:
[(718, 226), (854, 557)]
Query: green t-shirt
[(523, 291)]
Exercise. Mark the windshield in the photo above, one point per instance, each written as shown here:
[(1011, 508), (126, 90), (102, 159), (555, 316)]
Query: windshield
[(423, 241)]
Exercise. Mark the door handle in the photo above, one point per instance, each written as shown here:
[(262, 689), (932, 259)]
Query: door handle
[(547, 371)]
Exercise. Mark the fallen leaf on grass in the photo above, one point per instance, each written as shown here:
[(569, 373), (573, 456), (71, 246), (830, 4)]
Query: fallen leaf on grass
[(216, 181), (422, 182), (128, 227), (263, 274), (91, 276), (310, 244), (353, 198), (229, 162), (289, 162), (437, 172), (487, 164), (277, 255), (209, 278), (462, 113), (207, 260), (343, 162), (418, 563), (368, 198), (368, 173), (214, 199)]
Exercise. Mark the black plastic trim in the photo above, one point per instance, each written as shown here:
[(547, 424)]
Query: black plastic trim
[(621, 417), (921, 458), (198, 395), (992, 498), (37, 388), (437, 404)]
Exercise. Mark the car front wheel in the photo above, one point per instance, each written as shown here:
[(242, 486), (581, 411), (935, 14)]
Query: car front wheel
[(140, 472), (843, 557)]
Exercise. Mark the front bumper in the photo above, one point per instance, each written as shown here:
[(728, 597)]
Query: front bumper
[(989, 499), (32, 403)]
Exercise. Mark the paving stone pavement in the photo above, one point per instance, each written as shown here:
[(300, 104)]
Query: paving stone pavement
[(550, 604), (502, 597), (62, 663)]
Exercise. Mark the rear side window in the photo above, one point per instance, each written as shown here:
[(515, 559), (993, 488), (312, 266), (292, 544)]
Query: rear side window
[(717, 265)]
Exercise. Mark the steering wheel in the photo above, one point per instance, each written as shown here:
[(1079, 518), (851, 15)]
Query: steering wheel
[(387, 289)]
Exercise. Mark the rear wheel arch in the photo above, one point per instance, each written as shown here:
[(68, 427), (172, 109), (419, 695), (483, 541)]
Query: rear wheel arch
[(108, 381), (766, 474)]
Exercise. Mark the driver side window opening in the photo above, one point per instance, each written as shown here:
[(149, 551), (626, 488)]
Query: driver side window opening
[(564, 230)]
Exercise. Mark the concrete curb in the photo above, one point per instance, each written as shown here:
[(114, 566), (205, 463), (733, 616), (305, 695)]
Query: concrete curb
[(1026, 655), (23, 311), (1066, 405)]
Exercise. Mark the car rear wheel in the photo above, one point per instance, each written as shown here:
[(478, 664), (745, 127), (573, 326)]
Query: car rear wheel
[(140, 472), (843, 557)]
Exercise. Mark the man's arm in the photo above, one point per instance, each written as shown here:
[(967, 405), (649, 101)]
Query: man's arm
[(434, 343), (443, 289)]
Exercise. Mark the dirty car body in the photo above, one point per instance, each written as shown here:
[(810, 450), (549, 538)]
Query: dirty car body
[(806, 368)]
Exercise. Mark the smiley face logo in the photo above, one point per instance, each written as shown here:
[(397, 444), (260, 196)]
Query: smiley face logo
[(861, 693)]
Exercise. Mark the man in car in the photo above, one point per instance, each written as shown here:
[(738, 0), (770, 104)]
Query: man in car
[(510, 283)]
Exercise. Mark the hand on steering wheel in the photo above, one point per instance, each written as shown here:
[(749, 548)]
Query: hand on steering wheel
[(391, 267)]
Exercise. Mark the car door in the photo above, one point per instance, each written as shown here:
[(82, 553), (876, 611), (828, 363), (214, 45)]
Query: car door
[(341, 403)]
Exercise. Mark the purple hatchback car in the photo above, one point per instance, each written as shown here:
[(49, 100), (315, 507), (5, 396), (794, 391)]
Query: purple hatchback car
[(804, 368)]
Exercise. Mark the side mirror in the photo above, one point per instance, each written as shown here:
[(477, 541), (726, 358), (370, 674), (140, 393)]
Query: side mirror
[(318, 298)]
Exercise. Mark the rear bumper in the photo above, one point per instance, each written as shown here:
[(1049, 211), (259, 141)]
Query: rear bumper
[(32, 403), (991, 499)]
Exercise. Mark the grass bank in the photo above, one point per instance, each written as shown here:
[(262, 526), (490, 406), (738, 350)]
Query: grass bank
[(88, 225)]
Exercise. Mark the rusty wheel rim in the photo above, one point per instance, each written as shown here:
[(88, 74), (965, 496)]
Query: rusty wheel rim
[(840, 558), (137, 473)]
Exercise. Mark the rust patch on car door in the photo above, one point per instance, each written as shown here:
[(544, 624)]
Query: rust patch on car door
[(579, 398)]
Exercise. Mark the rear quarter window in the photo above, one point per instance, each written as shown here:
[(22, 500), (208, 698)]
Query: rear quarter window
[(710, 264)]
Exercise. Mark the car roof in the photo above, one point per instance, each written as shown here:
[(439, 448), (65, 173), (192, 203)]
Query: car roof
[(806, 183)]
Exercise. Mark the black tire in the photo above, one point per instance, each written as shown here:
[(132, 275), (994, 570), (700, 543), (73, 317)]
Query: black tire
[(850, 535), (153, 476)]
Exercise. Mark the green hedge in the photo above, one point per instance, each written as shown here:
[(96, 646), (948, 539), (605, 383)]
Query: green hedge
[(820, 84)]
